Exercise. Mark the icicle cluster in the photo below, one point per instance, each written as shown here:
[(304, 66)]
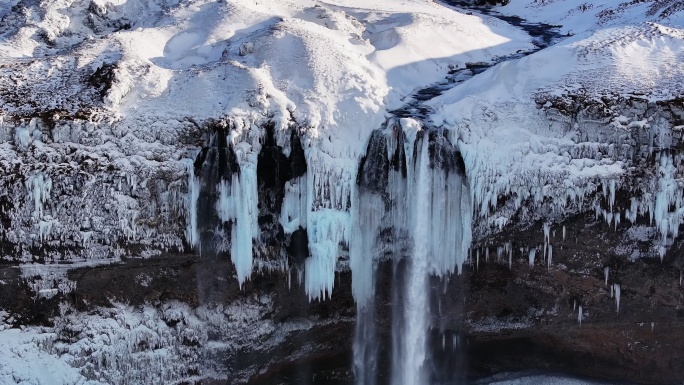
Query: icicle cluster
[(327, 223)]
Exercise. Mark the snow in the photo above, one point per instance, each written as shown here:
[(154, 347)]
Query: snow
[(575, 17), (26, 360), (171, 342)]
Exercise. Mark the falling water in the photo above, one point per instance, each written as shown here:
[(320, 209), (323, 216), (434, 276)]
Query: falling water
[(412, 203), (367, 216), (414, 342)]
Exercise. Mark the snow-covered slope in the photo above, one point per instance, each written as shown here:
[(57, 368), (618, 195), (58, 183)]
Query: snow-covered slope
[(578, 118), (575, 17)]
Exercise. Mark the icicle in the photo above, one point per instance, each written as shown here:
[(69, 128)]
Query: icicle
[(22, 136), (652, 326), (293, 213), (604, 188), (547, 232), (580, 316), (237, 203), (633, 210), (533, 251), (367, 214), (574, 305), (668, 194), (550, 257), (617, 297), (611, 199), (487, 255), (564, 232), (289, 279), (608, 217), (606, 271), (414, 341), (326, 229), (191, 232), (39, 187), (477, 259)]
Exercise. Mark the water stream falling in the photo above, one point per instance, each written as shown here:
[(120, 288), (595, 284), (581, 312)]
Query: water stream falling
[(413, 210), (409, 369), (413, 207), (413, 200)]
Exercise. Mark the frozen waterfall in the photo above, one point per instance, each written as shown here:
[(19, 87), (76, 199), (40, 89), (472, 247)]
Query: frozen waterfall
[(410, 207)]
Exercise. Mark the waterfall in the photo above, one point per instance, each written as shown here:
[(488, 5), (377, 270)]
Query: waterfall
[(413, 337), (367, 217), (412, 206)]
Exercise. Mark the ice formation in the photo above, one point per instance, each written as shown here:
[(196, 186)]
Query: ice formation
[(237, 204), (294, 207), (580, 315), (39, 187), (531, 256), (327, 230), (191, 232)]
